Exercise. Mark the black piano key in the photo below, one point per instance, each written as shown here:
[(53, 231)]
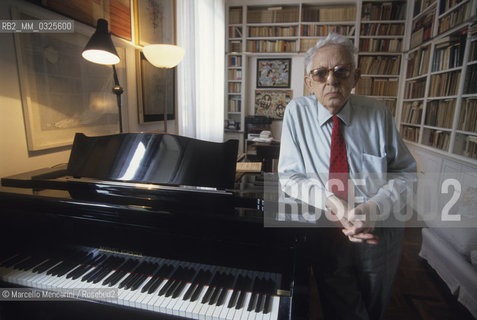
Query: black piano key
[(128, 266), (171, 281), (144, 273), (84, 266), (173, 287), (267, 306), (203, 277), (240, 300), (152, 278), (221, 299), (187, 276), (252, 302), (215, 296), (46, 265), (233, 299), (14, 260), (260, 302), (163, 273), (208, 294), (226, 283), (129, 281)]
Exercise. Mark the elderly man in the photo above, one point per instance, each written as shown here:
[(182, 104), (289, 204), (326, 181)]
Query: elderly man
[(335, 135)]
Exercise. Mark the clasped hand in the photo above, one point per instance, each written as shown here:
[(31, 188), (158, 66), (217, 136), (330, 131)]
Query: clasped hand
[(358, 222)]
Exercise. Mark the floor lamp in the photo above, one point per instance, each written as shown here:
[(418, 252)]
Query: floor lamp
[(100, 49), (164, 56)]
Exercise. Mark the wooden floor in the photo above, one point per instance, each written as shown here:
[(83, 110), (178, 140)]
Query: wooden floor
[(418, 293)]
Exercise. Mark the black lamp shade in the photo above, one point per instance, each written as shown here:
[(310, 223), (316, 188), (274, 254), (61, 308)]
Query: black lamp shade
[(100, 48)]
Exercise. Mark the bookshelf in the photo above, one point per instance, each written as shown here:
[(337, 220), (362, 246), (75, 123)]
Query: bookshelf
[(439, 105), (381, 40)]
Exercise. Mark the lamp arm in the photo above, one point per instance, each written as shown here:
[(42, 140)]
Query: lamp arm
[(118, 91)]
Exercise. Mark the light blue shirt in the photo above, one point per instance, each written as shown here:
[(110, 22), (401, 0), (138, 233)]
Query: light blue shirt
[(374, 148)]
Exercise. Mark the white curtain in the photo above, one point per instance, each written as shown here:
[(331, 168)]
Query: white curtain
[(201, 31)]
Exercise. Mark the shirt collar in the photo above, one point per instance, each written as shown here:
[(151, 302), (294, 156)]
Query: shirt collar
[(324, 115)]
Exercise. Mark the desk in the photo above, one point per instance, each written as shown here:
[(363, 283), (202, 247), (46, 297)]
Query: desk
[(264, 152)]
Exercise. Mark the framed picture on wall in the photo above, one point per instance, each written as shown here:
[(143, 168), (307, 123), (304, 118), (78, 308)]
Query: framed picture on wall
[(272, 103), (273, 73), (155, 91), (61, 92), (155, 21), (116, 12)]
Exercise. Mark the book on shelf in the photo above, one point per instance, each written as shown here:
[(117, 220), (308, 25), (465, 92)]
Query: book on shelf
[(386, 87), (235, 61), (314, 30), (272, 15), (380, 45), (455, 17), (412, 112), (410, 133), (235, 15), (471, 147), (380, 65), (273, 31), (444, 84), (333, 14), (415, 89), (468, 115), (383, 10), (382, 29), (235, 74), (422, 29), (439, 139), (235, 104), (471, 80), (271, 45), (440, 113)]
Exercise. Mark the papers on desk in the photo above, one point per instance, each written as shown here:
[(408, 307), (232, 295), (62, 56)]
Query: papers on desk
[(266, 140)]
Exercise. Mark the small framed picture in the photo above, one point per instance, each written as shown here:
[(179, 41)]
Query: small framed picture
[(272, 103), (273, 73)]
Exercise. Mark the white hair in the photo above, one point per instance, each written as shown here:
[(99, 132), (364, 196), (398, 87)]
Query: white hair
[(331, 39)]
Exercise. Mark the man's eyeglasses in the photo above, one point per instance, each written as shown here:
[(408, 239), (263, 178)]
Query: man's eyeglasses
[(340, 72)]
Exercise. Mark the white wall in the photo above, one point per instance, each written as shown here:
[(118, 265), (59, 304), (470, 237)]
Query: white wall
[(14, 154), (297, 84)]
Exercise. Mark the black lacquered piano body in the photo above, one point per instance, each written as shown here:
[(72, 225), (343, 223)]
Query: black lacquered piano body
[(192, 223)]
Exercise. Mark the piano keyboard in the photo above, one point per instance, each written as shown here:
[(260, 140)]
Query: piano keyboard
[(190, 290)]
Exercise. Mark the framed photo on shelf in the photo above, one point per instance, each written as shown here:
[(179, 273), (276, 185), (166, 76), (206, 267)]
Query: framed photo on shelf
[(155, 91), (61, 92), (155, 21), (272, 103), (273, 73)]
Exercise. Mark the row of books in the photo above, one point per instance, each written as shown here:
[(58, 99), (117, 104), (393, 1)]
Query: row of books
[(235, 15), (454, 18), (412, 112), (334, 14), (377, 87), (235, 61), (291, 31), (272, 15), (235, 32), (271, 46), (235, 46), (444, 84), (437, 139), (446, 5), (382, 29), (235, 87), (471, 80), (314, 30), (421, 5), (418, 62), (468, 115), (306, 44), (410, 133), (422, 29), (391, 104), (390, 10), (471, 147), (235, 105), (235, 74), (473, 51), (380, 45), (440, 113), (415, 89), (448, 53), (386, 65)]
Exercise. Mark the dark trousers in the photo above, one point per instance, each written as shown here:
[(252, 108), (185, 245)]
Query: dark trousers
[(354, 280)]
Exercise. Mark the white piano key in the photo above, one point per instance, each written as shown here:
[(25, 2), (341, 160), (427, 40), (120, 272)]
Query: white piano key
[(194, 308), (181, 305), (275, 304), (221, 312), (157, 299)]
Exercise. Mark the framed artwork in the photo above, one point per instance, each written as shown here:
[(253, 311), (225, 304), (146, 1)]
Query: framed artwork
[(273, 73), (155, 90), (61, 92), (155, 21), (272, 103), (116, 12)]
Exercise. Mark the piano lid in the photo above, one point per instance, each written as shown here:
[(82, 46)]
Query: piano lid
[(154, 158)]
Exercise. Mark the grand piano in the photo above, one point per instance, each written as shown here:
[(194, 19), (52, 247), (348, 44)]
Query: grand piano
[(157, 218)]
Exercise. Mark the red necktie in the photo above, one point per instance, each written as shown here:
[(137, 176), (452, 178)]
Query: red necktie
[(338, 161)]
